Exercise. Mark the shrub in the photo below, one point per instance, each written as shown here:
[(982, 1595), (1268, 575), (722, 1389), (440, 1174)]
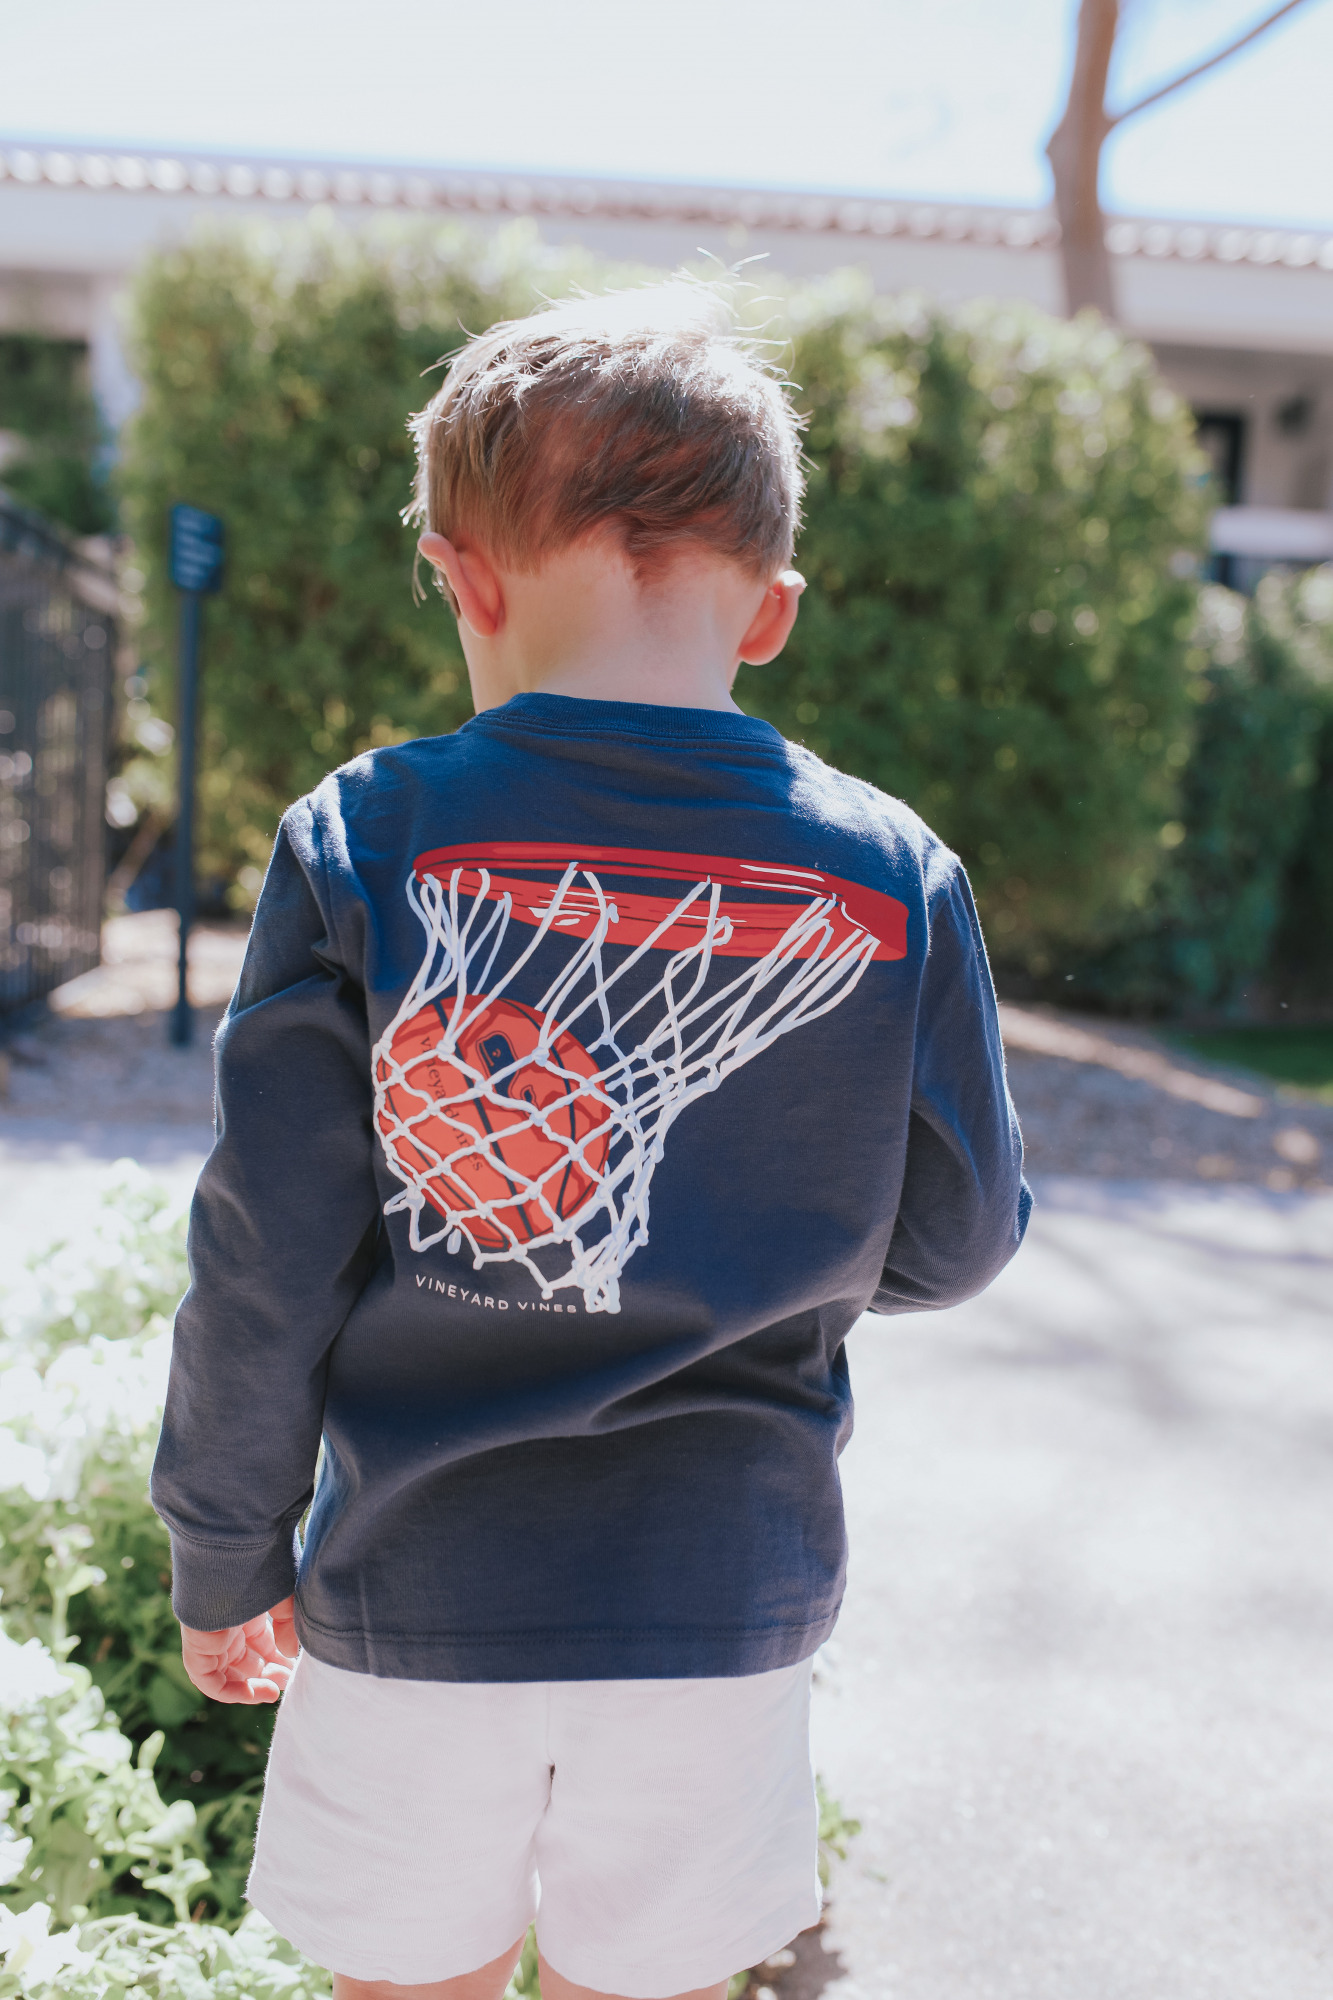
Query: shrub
[(995, 627), (278, 375), (1303, 953), (55, 435), (83, 1361), (1245, 854), (1002, 625), (87, 1839)]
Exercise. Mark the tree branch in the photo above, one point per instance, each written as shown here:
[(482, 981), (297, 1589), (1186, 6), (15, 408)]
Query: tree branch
[(1210, 62), (1074, 152)]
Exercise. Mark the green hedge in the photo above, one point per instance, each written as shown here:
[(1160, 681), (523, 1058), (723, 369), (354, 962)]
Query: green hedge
[(1003, 624), (47, 407), (1302, 969), (1241, 915), (993, 629), (1001, 512), (278, 375)]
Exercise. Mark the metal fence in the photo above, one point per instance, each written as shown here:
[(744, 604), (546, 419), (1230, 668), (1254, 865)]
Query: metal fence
[(57, 651)]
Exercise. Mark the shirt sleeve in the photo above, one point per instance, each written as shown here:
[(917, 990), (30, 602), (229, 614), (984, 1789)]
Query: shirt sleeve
[(964, 1204), (281, 1242)]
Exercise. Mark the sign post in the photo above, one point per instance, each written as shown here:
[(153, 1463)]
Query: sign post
[(196, 570)]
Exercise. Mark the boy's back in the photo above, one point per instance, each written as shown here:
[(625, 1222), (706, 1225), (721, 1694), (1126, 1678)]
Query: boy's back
[(657, 1010)]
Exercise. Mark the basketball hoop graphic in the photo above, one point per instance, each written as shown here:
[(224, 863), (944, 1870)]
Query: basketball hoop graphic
[(533, 1132)]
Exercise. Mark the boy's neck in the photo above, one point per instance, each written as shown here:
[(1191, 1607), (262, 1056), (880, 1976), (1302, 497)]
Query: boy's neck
[(584, 625)]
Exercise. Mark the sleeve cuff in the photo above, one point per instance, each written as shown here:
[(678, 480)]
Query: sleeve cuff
[(217, 1584)]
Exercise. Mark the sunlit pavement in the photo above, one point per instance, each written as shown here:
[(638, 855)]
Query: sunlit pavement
[(1081, 1695)]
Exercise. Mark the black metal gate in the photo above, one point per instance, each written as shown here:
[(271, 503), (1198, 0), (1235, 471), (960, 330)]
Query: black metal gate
[(57, 649)]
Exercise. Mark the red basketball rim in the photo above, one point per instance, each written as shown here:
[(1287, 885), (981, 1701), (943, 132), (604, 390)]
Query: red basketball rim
[(523, 869)]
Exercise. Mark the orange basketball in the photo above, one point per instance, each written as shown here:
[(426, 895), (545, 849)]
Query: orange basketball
[(488, 1152)]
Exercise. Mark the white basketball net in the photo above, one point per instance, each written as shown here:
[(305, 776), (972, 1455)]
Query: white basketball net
[(667, 1048)]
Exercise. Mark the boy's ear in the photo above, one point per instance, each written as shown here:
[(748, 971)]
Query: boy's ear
[(472, 582), (770, 628)]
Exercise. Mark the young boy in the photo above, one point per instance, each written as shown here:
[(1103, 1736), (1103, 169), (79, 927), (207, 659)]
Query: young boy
[(591, 1071)]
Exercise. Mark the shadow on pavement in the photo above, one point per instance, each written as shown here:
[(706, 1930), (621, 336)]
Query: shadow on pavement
[(814, 1965)]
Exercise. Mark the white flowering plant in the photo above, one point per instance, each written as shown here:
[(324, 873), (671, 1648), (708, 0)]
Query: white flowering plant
[(127, 1802), (85, 1341), (82, 1812)]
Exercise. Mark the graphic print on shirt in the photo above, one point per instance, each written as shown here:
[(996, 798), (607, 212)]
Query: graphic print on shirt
[(531, 1132)]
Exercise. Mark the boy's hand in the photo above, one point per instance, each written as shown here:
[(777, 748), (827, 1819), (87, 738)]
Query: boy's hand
[(250, 1663)]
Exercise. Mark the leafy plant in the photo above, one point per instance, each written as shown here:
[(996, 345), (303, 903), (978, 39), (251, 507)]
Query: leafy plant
[(994, 628), (278, 375), (124, 1958), (998, 610), (53, 435), (91, 1815), (86, 1563), (1303, 951), (1002, 625), (1245, 846), (836, 1831), (87, 1842)]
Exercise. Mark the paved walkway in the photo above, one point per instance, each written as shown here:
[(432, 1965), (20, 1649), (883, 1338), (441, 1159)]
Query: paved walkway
[(1080, 1693)]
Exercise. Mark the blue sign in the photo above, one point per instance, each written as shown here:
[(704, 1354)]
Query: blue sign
[(196, 549)]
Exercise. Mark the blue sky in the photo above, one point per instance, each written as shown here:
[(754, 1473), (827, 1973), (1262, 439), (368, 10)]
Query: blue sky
[(951, 98)]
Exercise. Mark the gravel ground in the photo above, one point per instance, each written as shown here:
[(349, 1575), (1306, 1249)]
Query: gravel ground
[(1118, 1103), (99, 1054)]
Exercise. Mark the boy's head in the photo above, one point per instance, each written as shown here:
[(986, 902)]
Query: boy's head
[(642, 418)]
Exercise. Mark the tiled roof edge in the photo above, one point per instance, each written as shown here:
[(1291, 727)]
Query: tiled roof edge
[(474, 192)]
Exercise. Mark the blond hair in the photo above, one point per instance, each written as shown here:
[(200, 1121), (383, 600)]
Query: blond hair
[(642, 414)]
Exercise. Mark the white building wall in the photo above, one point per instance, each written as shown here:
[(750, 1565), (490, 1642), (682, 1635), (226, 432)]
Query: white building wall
[(1241, 319)]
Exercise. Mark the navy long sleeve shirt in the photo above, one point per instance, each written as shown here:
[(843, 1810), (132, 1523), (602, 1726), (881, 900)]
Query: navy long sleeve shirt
[(591, 1071)]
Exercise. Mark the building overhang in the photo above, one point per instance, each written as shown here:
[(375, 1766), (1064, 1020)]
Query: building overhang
[(70, 214), (341, 184)]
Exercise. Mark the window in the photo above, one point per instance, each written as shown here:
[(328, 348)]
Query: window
[(1221, 437)]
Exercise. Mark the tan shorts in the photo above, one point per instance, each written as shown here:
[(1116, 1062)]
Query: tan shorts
[(663, 1834)]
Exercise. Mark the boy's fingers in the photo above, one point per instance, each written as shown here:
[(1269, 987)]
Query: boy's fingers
[(202, 1643), (208, 1681), (284, 1628), (203, 1663), (271, 1669), (249, 1663), (264, 1687), (260, 1687)]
